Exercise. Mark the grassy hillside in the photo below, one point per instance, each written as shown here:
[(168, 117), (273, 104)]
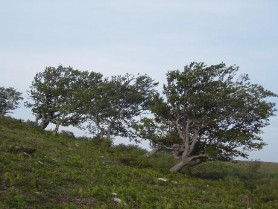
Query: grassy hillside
[(38, 170)]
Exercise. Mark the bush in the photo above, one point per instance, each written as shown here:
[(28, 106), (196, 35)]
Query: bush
[(67, 134), (254, 166), (213, 170), (31, 123), (132, 149)]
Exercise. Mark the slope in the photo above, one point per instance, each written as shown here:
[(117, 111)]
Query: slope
[(39, 170)]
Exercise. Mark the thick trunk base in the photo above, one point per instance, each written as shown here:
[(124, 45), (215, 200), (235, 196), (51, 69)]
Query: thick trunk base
[(189, 162), (180, 165)]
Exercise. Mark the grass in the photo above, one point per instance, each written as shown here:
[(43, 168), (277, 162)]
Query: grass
[(65, 172)]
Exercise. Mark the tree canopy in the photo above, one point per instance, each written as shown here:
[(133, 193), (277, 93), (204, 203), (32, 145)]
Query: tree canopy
[(64, 96), (113, 106), (9, 99), (54, 94), (206, 112)]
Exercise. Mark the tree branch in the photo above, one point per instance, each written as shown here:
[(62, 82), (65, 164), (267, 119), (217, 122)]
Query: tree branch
[(176, 122), (154, 151), (199, 156), (194, 141)]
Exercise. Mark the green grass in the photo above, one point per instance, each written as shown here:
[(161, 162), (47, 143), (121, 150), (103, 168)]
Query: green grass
[(65, 172)]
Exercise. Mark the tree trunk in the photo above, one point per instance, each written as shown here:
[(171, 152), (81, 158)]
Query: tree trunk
[(108, 135), (4, 111), (153, 152), (37, 120), (189, 161), (44, 124), (45, 121), (101, 134), (180, 165), (194, 163), (57, 127)]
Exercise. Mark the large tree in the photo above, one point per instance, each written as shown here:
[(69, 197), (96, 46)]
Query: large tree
[(207, 113), (112, 106), (9, 99), (54, 94)]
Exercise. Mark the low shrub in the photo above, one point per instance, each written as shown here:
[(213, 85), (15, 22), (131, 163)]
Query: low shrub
[(67, 134)]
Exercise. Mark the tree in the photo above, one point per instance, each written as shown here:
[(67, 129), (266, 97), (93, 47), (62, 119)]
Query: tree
[(9, 99), (207, 114), (54, 94), (113, 106)]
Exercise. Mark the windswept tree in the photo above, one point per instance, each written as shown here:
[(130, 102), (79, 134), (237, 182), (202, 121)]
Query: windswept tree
[(9, 99), (207, 113), (112, 106), (54, 94)]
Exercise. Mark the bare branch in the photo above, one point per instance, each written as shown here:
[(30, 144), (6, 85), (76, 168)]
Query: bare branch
[(194, 141), (199, 156)]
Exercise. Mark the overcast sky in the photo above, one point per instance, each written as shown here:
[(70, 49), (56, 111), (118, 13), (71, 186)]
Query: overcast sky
[(146, 36)]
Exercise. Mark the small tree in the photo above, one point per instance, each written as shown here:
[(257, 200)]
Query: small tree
[(54, 94), (208, 114), (113, 106), (9, 100)]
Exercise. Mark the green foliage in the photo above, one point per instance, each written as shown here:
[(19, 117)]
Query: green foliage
[(113, 106), (54, 91), (65, 172), (9, 100), (64, 96), (254, 166), (67, 133), (209, 113), (222, 170)]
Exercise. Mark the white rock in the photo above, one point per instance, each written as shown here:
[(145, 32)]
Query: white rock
[(117, 200), (162, 179)]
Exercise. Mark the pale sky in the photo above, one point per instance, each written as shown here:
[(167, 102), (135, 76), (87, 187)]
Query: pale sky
[(146, 36)]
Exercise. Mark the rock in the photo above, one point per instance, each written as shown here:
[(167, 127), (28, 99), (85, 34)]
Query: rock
[(117, 200), (162, 179)]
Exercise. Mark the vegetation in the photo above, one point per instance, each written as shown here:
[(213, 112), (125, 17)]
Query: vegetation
[(112, 106), (207, 113), (54, 91), (9, 99), (64, 96), (39, 170)]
